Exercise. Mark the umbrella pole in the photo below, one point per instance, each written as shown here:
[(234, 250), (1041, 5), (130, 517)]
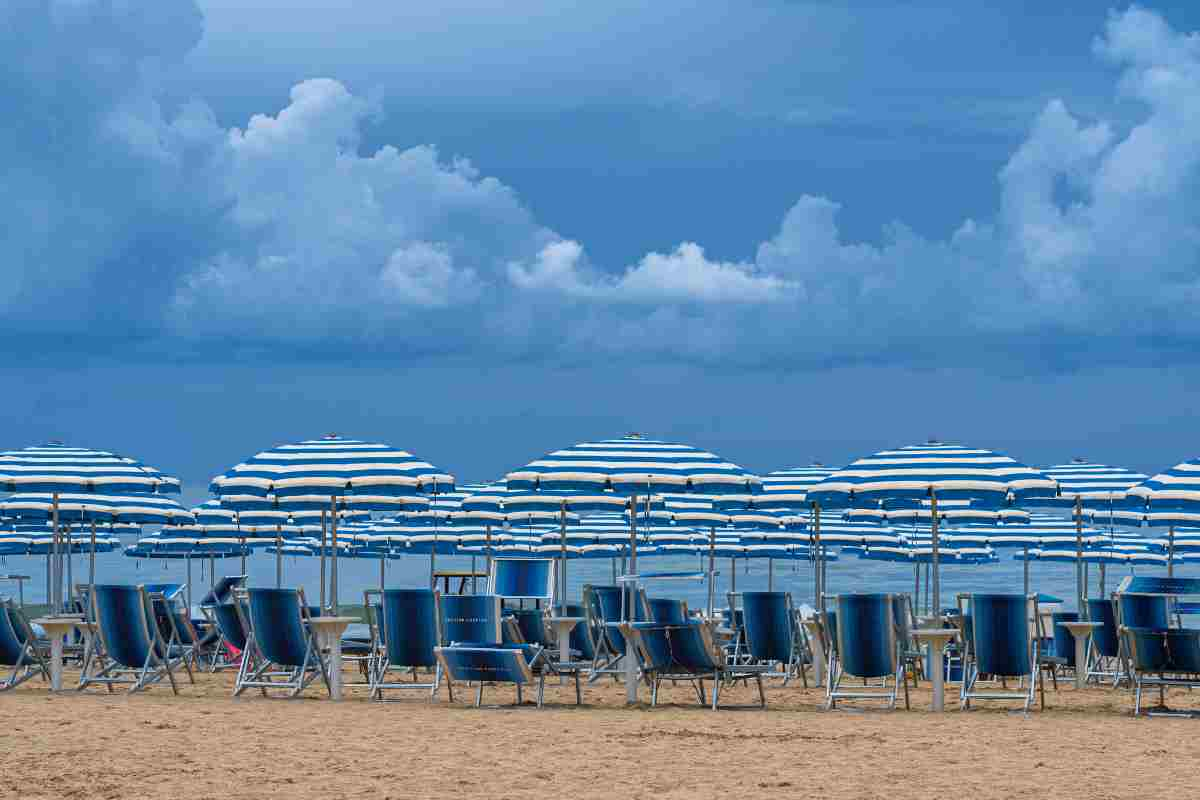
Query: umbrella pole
[(562, 543), (732, 576), (1025, 561), (488, 551), (187, 557), (1080, 582), (1103, 576), (278, 556), (935, 567), (631, 675), (382, 580), (68, 540), (52, 587), (324, 542), (1171, 552), (917, 585), (92, 562), (712, 560), (770, 574)]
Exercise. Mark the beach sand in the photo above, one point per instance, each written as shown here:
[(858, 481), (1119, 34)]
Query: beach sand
[(206, 744)]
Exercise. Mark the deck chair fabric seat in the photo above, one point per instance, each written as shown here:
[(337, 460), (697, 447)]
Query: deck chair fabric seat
[(129, 646), (1064, 642), (1003, 644), (687, 652), (867, 647), (488, 666), (18, 648), (668, 611), (771, 633), (1104, 637), (407, 623), (281, 651)]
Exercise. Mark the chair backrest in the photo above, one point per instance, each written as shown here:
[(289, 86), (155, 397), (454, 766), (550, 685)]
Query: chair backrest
[(531, 625), (230, 624), (277, 623), (1001, 636), (168, 590), (767, 622), (866, 635), (1143, 611), (693, 648), (125, 623), (582, 640), (222, 591), (829, 629), (1104, 636), (522, 578), (668, 611), (471, 619), (410, 626), (1064, 642), (902, 611), (485, 664), (12, 646)]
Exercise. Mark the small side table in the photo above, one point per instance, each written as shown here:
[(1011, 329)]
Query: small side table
[(329, 635), (562, 634), (818, 650), (1082, 631), (56, 628), (936, 638)]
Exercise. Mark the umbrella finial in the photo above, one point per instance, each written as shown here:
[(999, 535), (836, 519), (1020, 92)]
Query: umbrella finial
[(1078, 460), (330, 436), (634, 435)]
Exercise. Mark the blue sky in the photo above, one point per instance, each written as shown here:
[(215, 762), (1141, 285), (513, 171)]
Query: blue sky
[(784, 231)]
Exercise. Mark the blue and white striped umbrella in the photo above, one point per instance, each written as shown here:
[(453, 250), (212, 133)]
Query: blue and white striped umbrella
[(1177, 489), (634, 465), (934, 469), (1095, 486), (788, 488), (57, 468), (144, 509), (332, 467)]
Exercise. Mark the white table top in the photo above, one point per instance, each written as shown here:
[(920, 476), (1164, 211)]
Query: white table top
[(68, 622), (935, 633), (1080, 623), (572, 620), (332, 622)]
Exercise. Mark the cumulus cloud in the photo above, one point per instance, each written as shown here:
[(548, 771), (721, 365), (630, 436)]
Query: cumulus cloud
[(140, 221)]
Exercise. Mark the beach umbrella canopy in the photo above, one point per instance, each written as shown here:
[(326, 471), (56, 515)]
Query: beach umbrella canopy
[(57, 469), (934, 471), (788, 488), (330, 473), (144, 509)]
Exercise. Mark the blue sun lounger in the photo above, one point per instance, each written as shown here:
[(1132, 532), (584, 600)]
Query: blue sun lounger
[(1157, 654), (489, 665), (687, 652), (131, 648), (772, 635), (867, 647), (281, 649), (18, 648), (475, 649), (406, 627), (1004, 644)]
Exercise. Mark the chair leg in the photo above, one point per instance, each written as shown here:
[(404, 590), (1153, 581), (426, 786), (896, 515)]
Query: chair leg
[(520, 697), (762, 695), (716, 692), (541, 688), (578, 692)]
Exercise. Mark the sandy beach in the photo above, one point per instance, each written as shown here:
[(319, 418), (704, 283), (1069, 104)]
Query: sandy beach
[(206, 744)]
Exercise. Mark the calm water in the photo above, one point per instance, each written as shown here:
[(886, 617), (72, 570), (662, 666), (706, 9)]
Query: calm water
[(848, 574)]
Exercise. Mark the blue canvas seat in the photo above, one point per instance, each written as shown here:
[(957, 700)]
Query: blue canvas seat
[(488, 666), (772, 635), (1004, 644), (606, 611), (131, 648), (18, 648), (281, 648), (867, 647), (686, 652), (406, 623), (668, 611), (1104, 661), (582, 640), (1064, 642), (1154, 653)]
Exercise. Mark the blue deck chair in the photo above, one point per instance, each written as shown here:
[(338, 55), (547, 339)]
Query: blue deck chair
[(407, 626), (1104, 661), (1162, 657), (281, 649), (686, 652), (771, 633), (914, 659), (222, 590), (867, 648), (530, 625), (1064, 642), (489, 665), (582, 640), (1140, 612), (522, 579), (606, 611), (18, 648), (131, 649), (1004, 644), (232, 633), (668, 611)]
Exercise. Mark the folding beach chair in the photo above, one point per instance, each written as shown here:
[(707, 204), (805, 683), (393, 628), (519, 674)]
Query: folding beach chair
[(281, 648), (407, 626), (687, 652), (668, 611), (1104, 661), (605, 612), (130, 648), (868, 648), (488, 666), (1162, 657), (232, 636), (1004, 644), (18, 647), (914, 658), (1139, 612), (521, 579), (771, 634), (583, 643)]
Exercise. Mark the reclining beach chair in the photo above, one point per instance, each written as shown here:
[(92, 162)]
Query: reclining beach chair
[(407, 626), (1004, 644), (771, 633), (232, 636), (1138, 612), (474, 647), (18, 648), (281, 648), (868, 648), (130, 648), (605, 612), (687, 652), (1104, 661), (1162, 657), (914, 658), (668, 611)]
